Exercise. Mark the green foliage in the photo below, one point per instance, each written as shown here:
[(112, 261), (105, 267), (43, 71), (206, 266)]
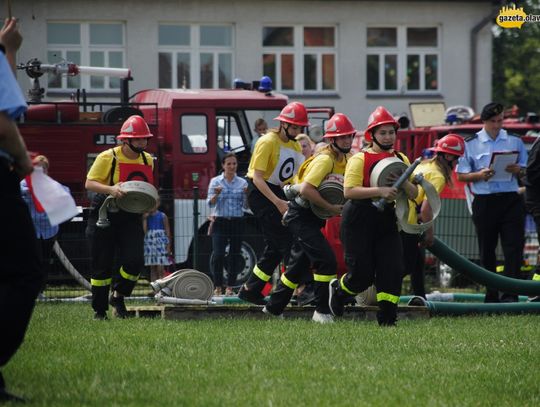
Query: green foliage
[(70, 360), (516, 63)]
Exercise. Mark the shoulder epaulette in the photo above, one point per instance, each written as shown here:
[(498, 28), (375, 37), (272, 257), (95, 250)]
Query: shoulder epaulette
[(471, 137)]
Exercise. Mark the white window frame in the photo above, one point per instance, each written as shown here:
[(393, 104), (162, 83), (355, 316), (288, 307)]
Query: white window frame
[(402, 52), (85, 48), (298, 50), (195, 49)]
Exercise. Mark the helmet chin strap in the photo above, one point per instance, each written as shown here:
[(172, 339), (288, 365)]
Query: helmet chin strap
[(293, 138), (343, 150), (384, 147), (137, 150)]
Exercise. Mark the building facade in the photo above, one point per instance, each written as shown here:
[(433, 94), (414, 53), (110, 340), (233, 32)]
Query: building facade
[(352, 55)]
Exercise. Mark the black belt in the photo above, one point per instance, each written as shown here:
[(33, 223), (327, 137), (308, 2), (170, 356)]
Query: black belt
[(496, 195)]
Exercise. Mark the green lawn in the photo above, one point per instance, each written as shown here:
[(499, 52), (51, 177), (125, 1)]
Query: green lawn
[(70, 360)]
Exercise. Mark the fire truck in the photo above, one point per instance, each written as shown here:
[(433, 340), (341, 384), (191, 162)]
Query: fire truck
[(192, 131)]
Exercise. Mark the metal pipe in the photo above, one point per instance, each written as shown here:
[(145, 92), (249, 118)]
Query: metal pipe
[(449, 308), (454, 297)]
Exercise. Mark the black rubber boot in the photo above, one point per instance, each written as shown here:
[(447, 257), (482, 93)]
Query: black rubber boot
[(387, 314)]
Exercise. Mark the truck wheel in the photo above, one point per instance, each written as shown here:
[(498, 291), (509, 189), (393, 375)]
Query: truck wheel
[(250, 250), (247, 259)]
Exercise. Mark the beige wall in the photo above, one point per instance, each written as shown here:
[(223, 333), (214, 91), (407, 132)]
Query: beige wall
[(248, 16)]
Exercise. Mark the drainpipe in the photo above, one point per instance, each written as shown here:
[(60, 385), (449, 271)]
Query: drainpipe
[(474, 48)]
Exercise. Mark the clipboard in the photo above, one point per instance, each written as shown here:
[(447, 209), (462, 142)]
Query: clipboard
[(498, 163)]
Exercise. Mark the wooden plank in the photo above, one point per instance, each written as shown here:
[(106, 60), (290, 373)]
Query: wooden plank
[(198, 312)]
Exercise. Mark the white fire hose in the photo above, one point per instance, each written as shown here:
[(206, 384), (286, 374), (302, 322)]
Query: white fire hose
[(184, 287), (331, 189), (393, 165), (139, 197), (70, 268)]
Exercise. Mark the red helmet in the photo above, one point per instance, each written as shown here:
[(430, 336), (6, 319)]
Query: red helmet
[(450, 144), (379, 117), (294, 113), (339, 125), (134, 127)]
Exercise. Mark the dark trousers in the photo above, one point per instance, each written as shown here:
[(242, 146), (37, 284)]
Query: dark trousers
[(373, 254), (500, 215), (120, 244), (533, 207), (20, 272), (277, 238), (226, 231), (46, 248), (310, 248), (414, 258)]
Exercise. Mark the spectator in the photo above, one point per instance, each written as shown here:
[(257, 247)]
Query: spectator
[(45, 232), (157, 242), (125, 235), (371, 241), (497, 209), (274, 163), (260, 128), (227, 198), (306, 144), (21, 277)]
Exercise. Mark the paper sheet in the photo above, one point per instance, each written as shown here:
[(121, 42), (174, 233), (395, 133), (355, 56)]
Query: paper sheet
[(58, 203), (499, 161)]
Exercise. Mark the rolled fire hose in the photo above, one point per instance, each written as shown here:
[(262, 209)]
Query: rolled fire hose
[(393, 165), (69, 267), (139, 197), (331, 189), (185, 286)]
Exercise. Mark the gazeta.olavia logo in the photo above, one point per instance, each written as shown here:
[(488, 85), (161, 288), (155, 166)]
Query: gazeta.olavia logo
[(514, 17)]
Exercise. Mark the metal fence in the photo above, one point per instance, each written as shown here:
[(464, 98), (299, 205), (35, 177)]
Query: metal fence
[(454, 226)]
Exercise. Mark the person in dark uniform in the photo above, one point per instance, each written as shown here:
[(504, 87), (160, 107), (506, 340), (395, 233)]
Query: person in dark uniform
[(311, 246), (125, 235), (532, 198), (274, 163), (21, 276), (371, 240), (497, 209)]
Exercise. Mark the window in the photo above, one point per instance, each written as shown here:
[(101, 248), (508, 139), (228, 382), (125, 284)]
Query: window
[(194, 134), (403, 60), (301, 58), (87, 44), (195, 56)]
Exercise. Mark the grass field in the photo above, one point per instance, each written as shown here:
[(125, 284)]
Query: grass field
[(68, 359)]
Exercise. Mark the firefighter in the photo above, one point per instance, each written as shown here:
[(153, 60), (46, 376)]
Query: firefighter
[(125, 236), (438, 171), (311, 246), (274, 163), (371, 241)]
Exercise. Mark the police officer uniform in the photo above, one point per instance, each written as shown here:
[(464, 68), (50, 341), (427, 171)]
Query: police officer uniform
[(497, 209)]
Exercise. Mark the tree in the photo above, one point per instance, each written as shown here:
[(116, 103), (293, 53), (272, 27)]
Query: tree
[(516, 63)]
